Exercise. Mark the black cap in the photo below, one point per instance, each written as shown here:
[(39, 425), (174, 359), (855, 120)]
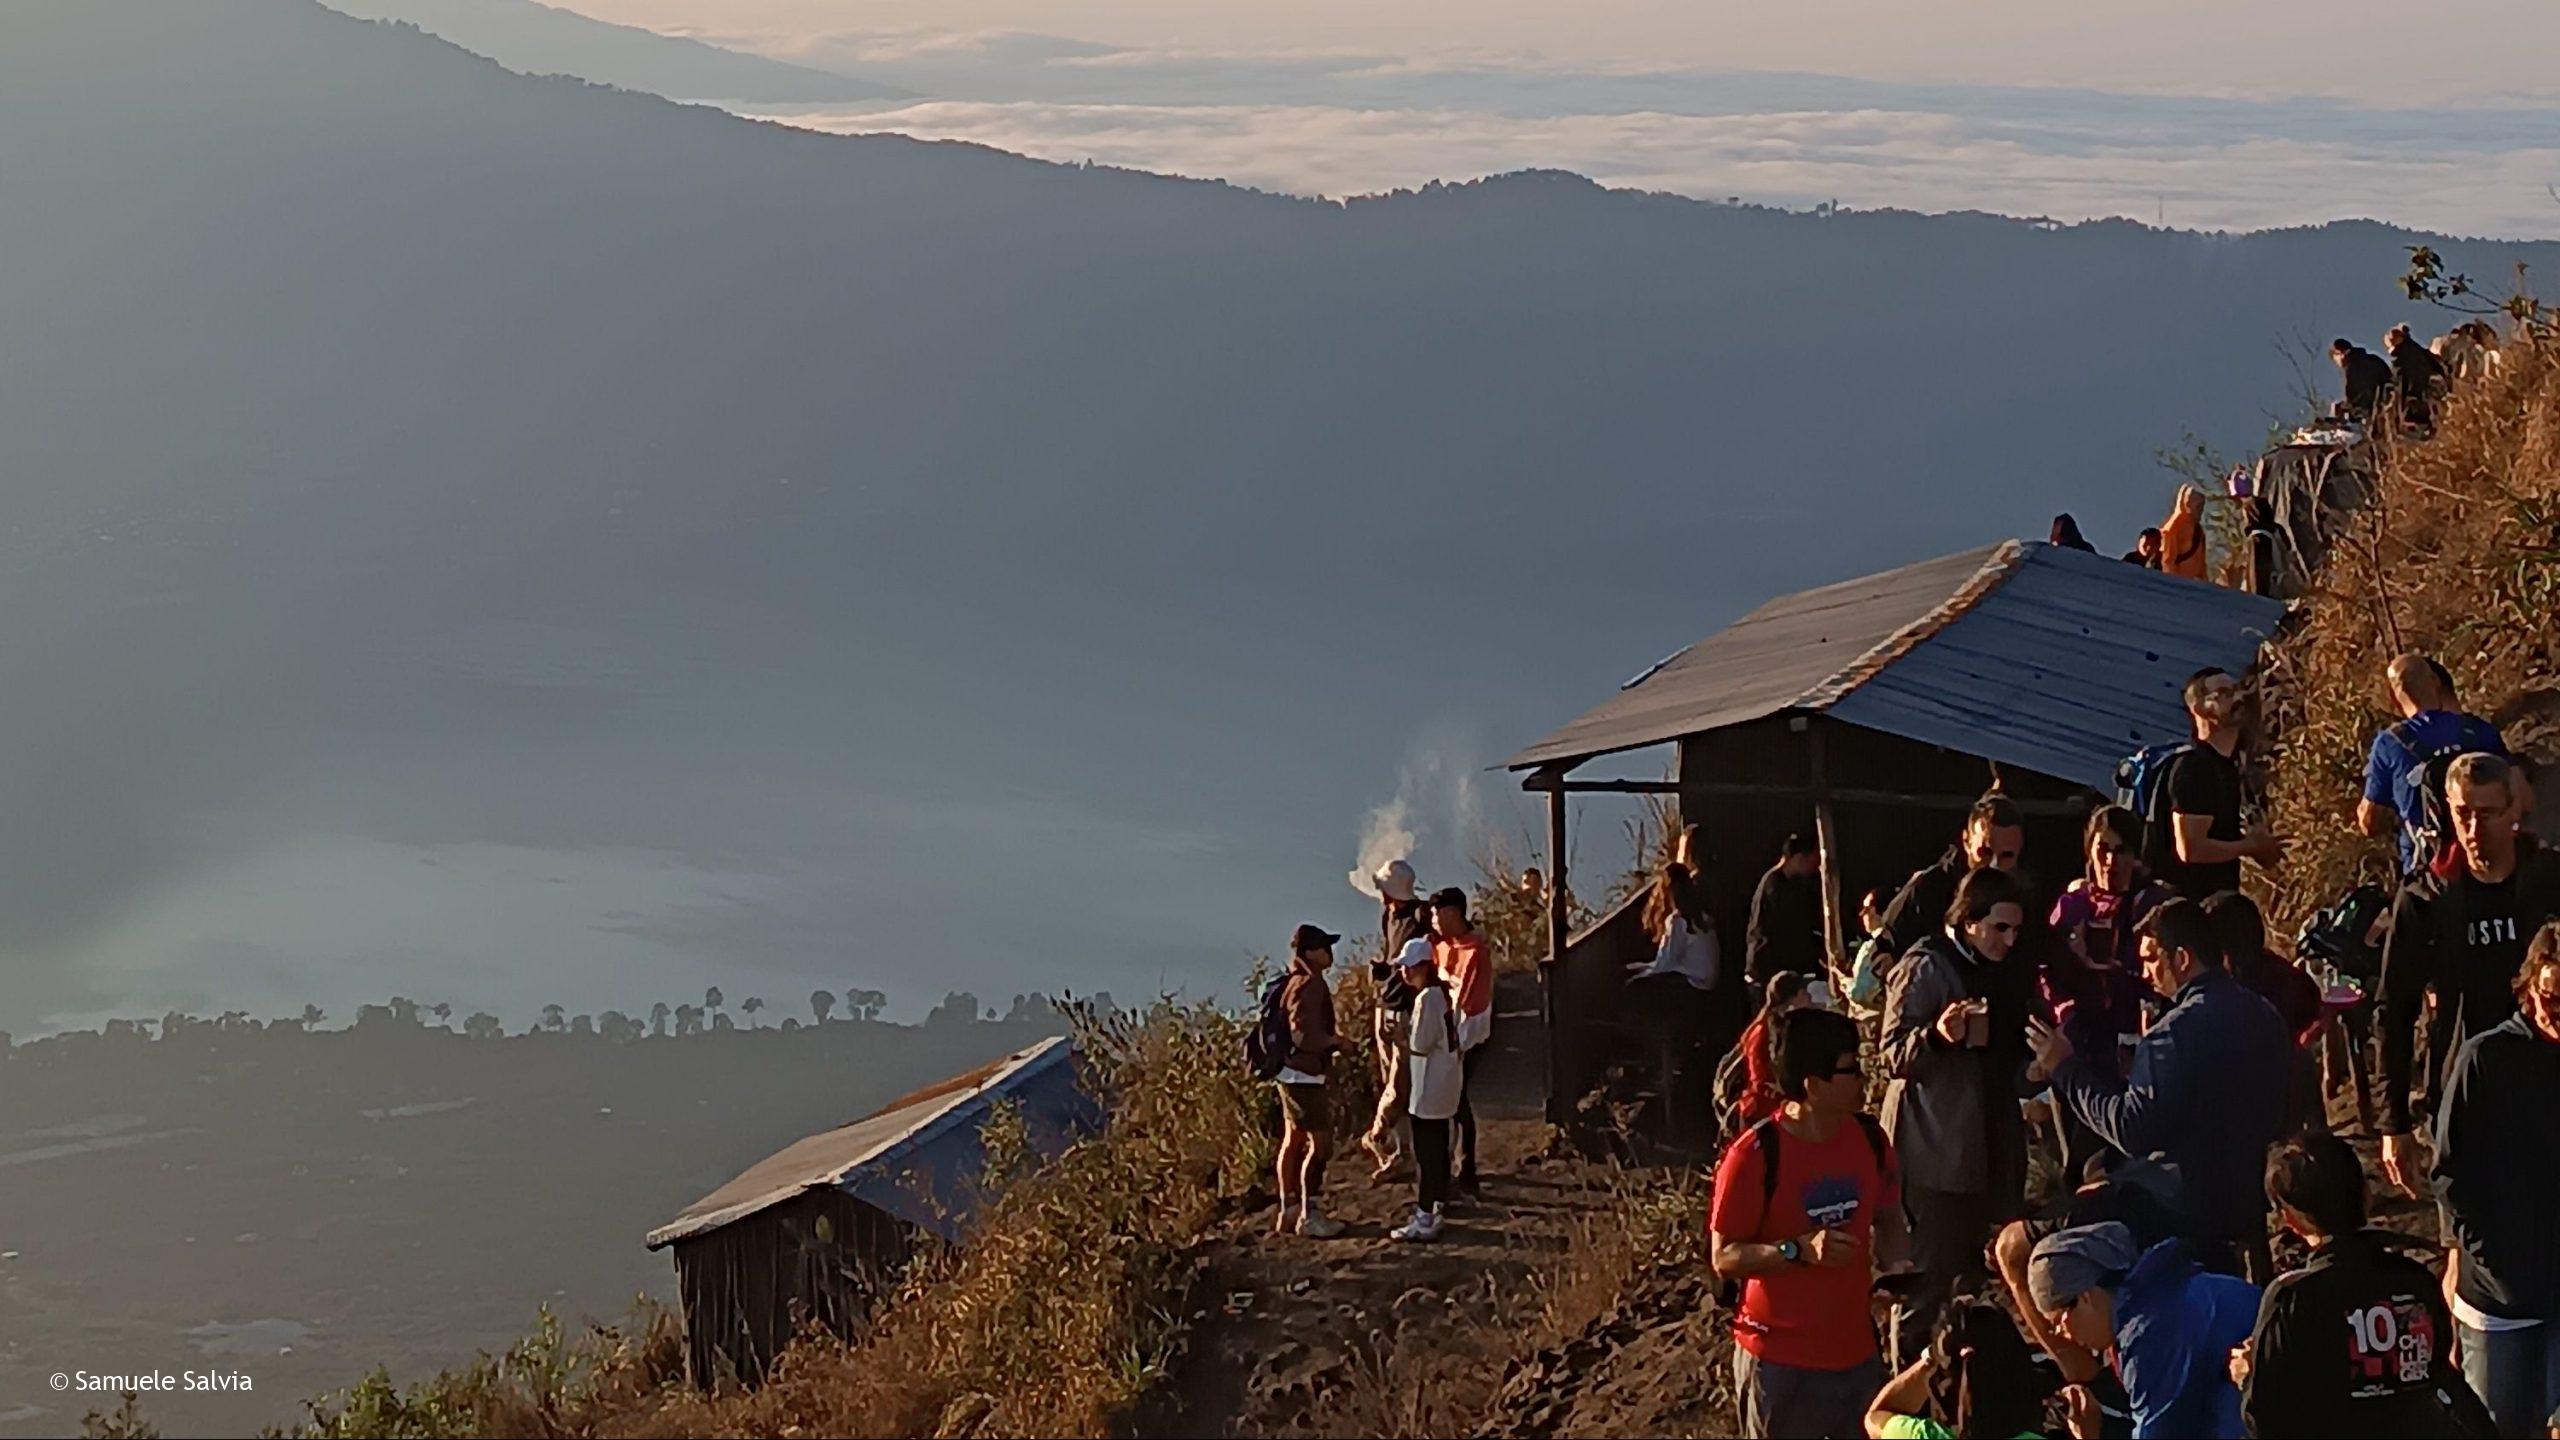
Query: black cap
[(1310, 937), (1451, 898)]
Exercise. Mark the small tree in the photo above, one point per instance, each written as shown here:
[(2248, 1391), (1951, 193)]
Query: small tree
[(751, 1005), (554, 1019), (658, 1015), (582, 1025), (822, 1005), (442, 1011), (311, 1017), (711, 1000), (483, 1026)]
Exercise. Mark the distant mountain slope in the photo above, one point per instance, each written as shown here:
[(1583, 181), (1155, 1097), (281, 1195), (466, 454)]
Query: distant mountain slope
[(469, 521), (538, 39)]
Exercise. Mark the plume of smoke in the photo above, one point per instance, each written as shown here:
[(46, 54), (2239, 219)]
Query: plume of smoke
[(1387, 834), (1438, 800)]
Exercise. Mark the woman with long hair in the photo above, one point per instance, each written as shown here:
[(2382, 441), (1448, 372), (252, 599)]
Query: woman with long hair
[(1757, 1096), (2092, 977), (1979, 1381), (1674, 994)]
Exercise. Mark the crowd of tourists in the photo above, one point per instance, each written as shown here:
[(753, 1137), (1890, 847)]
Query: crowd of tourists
[(2016, 1160), (2135, 1028)]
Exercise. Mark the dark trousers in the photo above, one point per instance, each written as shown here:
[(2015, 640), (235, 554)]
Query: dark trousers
[(1431, 1160), (1949, 1230), (1465, 1120)]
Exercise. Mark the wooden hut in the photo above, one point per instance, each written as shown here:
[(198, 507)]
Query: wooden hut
[(817, 1231), (1872, 713)]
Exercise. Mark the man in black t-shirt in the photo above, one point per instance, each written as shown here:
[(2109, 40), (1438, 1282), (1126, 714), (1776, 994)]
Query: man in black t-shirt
[(2193, 839), (2462, 935)]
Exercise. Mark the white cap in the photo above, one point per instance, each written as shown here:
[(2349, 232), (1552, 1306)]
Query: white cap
[(1415, 955), (1395, 880)]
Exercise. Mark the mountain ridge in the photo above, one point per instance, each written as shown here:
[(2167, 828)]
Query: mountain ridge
[(533, 38)]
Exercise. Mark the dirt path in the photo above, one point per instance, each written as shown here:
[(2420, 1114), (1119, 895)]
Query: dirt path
[(1290, 1334)]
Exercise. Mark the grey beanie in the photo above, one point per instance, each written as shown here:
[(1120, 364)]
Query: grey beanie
[(2068, 1264)]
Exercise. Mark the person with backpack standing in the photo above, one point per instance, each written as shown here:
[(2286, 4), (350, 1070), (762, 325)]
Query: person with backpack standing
[(2461, 933), (1807, 1213), (2189, 797), (1402, 917), (1305, 1006), (2493, 1177), (1465, 961), (1431, 1052), (2358, 1341), (1746, 1084), (2404, 773), (1955, 1045)]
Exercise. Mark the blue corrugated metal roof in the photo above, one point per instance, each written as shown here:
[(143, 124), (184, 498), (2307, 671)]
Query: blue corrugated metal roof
[(2052, 660), (920, 1160)]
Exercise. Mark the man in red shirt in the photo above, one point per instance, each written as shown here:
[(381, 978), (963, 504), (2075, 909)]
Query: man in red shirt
[(1465, 961), (1808, 1237)]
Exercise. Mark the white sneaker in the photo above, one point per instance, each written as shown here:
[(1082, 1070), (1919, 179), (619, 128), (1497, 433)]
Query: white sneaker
[(1320, 1227), (1422, 1229)]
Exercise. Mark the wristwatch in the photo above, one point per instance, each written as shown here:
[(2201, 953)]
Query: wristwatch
[(1791, 1251)]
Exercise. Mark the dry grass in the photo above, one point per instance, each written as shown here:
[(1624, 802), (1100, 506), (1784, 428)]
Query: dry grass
[(2458, 556)]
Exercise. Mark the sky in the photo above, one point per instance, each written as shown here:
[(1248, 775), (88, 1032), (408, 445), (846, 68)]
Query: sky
[(2202, 116)]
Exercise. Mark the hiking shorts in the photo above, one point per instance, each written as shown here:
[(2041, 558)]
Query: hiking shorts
[(1303, 1106)]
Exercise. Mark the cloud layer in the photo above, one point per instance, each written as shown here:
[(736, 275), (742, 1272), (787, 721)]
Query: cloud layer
[(1341, 123)]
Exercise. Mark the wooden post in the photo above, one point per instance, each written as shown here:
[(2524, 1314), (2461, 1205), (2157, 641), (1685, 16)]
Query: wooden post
[(1826, 846), (1550, 973)]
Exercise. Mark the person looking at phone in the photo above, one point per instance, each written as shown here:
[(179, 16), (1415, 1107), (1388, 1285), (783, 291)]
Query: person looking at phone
[(1955, 1049), (1807, 1213)]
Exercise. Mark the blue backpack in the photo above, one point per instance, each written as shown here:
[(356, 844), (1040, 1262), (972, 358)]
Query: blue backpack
[(2142, 786), (1268, 1043)]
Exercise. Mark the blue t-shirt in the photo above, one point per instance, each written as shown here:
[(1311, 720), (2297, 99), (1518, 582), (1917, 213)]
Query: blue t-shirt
[(2393, 772)]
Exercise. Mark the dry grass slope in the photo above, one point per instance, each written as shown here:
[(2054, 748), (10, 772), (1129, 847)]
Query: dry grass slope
[(2459, 556)]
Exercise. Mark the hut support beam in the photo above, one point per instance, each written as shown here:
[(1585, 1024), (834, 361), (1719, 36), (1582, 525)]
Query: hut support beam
[(1826, 845), (1556, 937), (1742, 790)]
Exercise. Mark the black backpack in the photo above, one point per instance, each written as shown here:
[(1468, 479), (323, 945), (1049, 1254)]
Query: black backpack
[(1733, 1077), (1765, 1137), (1268, 1043)]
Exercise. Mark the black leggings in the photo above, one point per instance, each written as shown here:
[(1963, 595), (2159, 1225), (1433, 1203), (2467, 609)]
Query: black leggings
[(1465, 1119), (1431, 1160)]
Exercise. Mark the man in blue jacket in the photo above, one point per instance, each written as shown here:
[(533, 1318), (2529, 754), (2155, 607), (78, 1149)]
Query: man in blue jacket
[(2206, 1089), (2168, 1325)]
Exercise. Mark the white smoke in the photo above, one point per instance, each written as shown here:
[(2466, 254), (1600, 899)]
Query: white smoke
[(1387, 834), (1438, 803)]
